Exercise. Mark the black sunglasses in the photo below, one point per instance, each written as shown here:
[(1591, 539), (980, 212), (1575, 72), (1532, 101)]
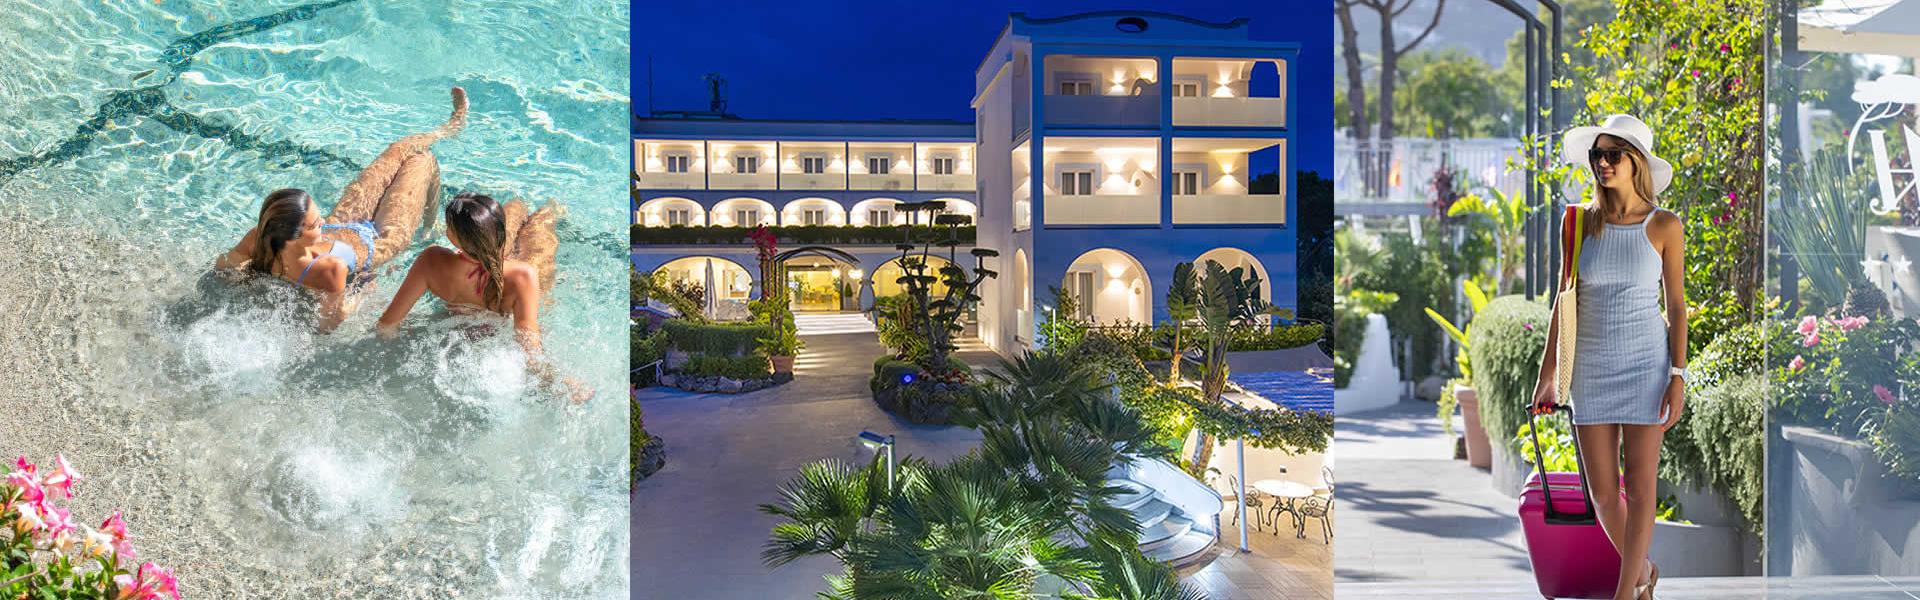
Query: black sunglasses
[(1611, 155)]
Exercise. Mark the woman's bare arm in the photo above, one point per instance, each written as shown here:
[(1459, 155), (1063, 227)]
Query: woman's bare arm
[(523, 287), (1673, 274), (329, 276), (241, 252), (411, 289)]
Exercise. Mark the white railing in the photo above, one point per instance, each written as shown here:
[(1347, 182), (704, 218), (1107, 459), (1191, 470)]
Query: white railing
[(657, 180), (1402, 171), (1230, 112), (1103, 209), (1230, 208)]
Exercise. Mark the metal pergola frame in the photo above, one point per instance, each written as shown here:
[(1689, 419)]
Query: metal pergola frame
[(1543, 42)]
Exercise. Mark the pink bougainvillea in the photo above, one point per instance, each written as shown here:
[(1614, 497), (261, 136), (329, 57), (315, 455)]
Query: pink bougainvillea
[(60, 558)]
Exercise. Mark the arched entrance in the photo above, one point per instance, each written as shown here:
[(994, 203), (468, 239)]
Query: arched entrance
[(725, 285), (821, 279), (1109, 287), (886, 277)]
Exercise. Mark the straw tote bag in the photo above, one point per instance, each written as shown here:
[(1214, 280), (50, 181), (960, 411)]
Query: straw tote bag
[(1567, 303)]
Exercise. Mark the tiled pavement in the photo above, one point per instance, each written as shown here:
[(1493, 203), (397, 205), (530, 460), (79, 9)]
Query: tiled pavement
[(1697, 588), (1279, 567)]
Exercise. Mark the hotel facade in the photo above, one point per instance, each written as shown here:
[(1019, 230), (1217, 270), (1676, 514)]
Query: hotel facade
[(1106, 148)]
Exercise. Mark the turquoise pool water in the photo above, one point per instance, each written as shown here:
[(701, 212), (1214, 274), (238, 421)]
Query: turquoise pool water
[(136, 140), (1297, 390)]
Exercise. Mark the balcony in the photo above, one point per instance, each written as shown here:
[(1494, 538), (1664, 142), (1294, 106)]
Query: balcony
[(1101, 91), (1104, 111), (894, 181), (1103, 209), (1230, 208), (671, 181), (741, 181), (1230, 112)]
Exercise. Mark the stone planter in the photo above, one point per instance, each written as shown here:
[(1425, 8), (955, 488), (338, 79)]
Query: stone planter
[(1712, 543), (921, 403), (1832, 508), (1509, 470), (676, 359), (782, 364), (1479, 454), (720, 385)]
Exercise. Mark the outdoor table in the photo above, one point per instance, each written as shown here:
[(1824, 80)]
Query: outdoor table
[(1285, 494)]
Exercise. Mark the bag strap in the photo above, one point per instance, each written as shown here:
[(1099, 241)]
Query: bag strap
[(1572, 238), (1554, 516)]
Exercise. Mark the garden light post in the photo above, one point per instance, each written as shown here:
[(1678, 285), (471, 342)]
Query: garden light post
[(884, 444)]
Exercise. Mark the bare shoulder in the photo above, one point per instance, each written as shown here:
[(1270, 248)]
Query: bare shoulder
[(327, 274), (521, 276), (1666, 225)]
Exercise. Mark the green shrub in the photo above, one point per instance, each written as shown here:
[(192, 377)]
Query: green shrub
[(1280, 337), (794, 234), (719, 339), (888, 372), (1506, 342), (734, 367), (1720, 442), (644, 346)]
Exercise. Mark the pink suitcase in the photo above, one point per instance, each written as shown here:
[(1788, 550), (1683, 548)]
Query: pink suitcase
[(1571, 555)]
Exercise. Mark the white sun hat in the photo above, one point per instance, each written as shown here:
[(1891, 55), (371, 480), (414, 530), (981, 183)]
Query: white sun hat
[(1574, 147)]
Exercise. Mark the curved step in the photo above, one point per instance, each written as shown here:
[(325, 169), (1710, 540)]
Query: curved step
[(1153, 513), (1136, 495), (1183, 549), (1164, 532)]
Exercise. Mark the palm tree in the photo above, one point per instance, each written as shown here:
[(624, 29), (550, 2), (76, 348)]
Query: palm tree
[(1126, 574), (1227, 298), (1183, 295)]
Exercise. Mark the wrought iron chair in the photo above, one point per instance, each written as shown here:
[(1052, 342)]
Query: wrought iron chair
[(1254, 501), (1319, 506)]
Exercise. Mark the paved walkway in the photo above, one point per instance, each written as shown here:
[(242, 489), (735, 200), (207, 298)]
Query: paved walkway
[(1408, 512), (697, 532), (1694, 588)]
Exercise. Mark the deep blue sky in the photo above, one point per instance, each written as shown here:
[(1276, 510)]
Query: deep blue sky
[(913, 60)]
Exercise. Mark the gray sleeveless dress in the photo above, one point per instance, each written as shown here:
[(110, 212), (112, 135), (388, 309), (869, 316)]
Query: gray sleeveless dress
[(1620, 367)]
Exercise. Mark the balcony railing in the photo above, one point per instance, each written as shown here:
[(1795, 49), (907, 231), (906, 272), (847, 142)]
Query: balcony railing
[(1104, 111), (796, 234), (1230, 208), (1230, 112), (741, 181), (1103, 209), (896, 181), (672, 181), (813, 181), (946, 183), (1402, 172)]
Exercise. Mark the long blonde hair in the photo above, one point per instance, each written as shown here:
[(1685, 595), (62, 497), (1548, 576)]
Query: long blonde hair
[(1605, 201)]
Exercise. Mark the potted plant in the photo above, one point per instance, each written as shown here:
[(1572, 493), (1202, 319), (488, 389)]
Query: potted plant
[(781, 347), (1479, 450)]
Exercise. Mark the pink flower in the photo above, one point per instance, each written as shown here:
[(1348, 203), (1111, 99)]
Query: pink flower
[(28, 484), (1696, 73), (62, 477), (1808, 325), (57, 520), (1886, 396), (1797, 363), (1725, 48), (1527, 326), (151, 583), (1733, 199), (1811, 340), (1852, 323), (117, 527)]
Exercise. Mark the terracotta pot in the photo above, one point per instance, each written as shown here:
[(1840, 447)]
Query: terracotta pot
[(1479, 453), (782, 364)]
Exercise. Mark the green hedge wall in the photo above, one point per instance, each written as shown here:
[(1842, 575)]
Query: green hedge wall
[(1719, 443), (735, 367), (795, 234), (1507, 340), (719, 339)]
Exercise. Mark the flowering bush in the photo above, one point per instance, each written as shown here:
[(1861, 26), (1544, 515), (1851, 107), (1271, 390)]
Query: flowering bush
[(44, 554), (1849, 375)]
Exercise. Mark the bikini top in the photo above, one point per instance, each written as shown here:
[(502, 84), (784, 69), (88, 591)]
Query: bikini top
[(340, 250)]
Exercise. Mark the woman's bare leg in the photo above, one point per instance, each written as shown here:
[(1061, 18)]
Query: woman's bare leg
[(1642, 449), (1600, 456), (361, 200), (408, 200), (533, 239)]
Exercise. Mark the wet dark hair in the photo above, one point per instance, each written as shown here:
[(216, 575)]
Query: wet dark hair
[(283, 216), (480, 231)]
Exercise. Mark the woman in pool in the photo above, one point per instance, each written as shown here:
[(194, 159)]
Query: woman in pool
[(1629, 364), (377, 216), (502, 261)]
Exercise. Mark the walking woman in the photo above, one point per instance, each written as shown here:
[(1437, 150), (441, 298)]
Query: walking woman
[(502, 261), (1629, 363), (378, 215)]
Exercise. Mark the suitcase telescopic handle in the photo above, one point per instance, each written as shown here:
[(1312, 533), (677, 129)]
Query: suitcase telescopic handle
[(1554, 516)]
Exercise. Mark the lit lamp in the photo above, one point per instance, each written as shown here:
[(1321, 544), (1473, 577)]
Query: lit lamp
[(880, 443), (856, 273)]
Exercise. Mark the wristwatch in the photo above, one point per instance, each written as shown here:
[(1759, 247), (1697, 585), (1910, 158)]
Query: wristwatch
[(1680, 372)]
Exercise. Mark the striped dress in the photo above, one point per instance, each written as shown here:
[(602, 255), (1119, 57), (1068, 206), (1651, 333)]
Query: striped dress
[(1621, 363)]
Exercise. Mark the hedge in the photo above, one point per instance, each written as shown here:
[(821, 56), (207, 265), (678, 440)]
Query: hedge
[(1507, 340), (1719, 443), (734, 367), (796, 234), (720, 339)]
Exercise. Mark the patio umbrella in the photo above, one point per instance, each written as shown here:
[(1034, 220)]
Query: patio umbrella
[(1890, 27)]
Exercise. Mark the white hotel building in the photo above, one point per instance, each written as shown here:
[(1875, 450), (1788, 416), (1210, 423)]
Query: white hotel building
[(1106, 148)]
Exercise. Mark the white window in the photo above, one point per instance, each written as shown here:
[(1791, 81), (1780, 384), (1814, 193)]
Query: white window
[(813, 165), (679, 216), (746, 164), (1080, 288), (746, 217), (677, 163), (813, 216), (1076, 88), (943, 165), (1186, 183), (1186, 89), (879, 216), (1076, 183), (879, 165)]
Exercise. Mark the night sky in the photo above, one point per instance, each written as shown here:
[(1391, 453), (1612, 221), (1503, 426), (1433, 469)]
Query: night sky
[(912, 60)]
